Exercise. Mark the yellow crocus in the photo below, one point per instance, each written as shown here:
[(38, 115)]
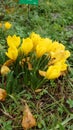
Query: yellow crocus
[(67, 54), (59, 55), (7, 25), (13, 41), (62, 64), (53, 72), (47, 43), (57, 46), (40, 50), (27, 45), (64, 67), (12, 53), (35, 39), (43, 47)]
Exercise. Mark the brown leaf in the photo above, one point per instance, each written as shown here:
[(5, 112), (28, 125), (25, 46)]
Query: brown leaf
[(38, 90), (3, 94), (29, 66), (28, 63), (28, 119), (22, 62), (42, 73)]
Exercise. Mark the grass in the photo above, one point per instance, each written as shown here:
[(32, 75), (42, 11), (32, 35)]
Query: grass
[(53, 105)]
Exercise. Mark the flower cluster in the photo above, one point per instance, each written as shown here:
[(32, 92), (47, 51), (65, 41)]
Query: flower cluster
[(54, 51)]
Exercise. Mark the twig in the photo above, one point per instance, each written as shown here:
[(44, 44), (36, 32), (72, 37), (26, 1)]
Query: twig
[(6, 114)]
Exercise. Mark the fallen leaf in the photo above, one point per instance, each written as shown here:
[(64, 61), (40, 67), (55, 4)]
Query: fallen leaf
[(38, 90), (22, 62), (28, 119), (3, 94), (29, 65), (42, 73)]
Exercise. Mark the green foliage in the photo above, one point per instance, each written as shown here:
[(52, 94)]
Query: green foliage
[(6, 125)]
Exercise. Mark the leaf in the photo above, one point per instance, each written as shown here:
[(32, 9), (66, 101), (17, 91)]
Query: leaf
[(29, 66), (28, 119), (38, 90), (42, 73), (3, 94)]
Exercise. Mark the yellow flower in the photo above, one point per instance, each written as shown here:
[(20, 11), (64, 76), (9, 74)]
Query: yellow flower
[(40, 50), (67, 54), (7, 25), (12, 53), (35, 39), (62, 64), (27, 45), (59, 55), (64, 67), (57, 46), (0, 25), (48, 44), (4, 70), (13, 41), (53, 72), (43, 47)]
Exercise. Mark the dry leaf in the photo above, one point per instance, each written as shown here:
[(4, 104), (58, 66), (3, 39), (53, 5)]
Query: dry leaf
[(22, 62), (42, 73), (28, 119), (3, 94), (38, 90), (29, 66)]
